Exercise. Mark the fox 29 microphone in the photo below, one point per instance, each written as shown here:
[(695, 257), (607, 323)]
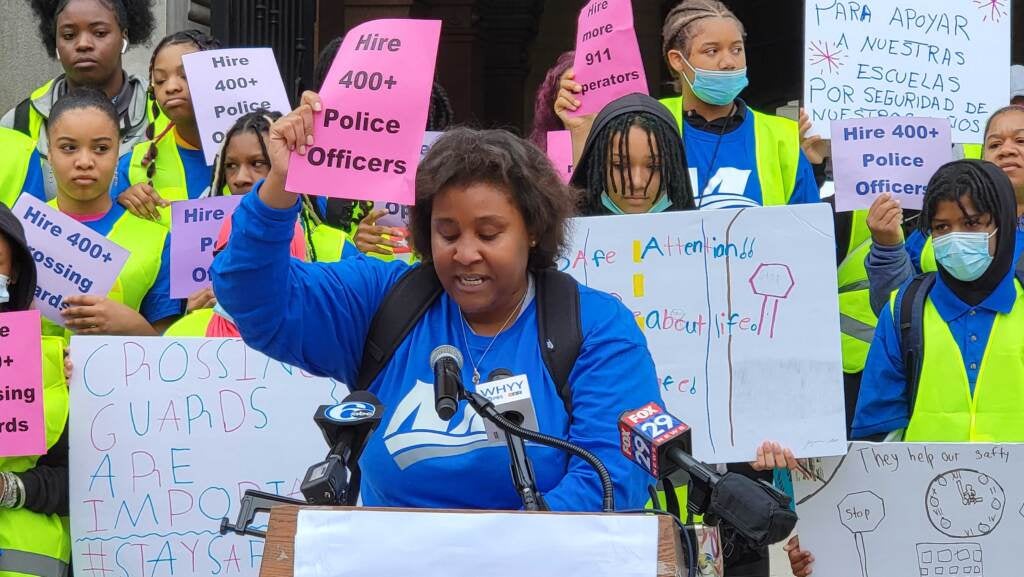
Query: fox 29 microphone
[(346, 428), (660, 444)]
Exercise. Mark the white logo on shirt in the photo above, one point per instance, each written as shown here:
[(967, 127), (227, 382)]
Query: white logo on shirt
[(725, 189), (428, 436)]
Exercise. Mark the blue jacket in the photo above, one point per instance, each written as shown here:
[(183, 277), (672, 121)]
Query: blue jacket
[(316, 316)]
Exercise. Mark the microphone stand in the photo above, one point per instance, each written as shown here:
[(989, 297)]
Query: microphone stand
[(522, 470)]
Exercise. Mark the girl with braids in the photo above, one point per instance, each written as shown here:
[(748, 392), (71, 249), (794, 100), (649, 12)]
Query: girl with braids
[(170, 166), (633, 161), (88, 38), (970, 328), (83, 138), (242, 162), (740, 157), (892, 262)]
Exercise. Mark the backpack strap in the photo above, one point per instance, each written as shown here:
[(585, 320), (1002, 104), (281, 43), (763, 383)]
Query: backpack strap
[(910, 312), (403, 306), (558, 328), (21, 117)]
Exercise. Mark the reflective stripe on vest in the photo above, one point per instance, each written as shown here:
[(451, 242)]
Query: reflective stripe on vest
[(17, 153), (777, 142), (945, 409), (33, 543), (13, 561), (856, 319), (169, 178), (144, 241)]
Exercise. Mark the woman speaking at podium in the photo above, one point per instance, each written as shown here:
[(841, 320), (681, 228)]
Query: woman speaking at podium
[(490, 218)]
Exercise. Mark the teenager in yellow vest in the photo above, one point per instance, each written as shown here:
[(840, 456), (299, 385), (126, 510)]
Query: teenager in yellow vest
[(170, 165), (970, 382), (892, 261), (738, 156), (34, 536), (88, 38), (83, 138)]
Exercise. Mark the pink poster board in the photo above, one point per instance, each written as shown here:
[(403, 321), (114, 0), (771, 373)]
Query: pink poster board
[(608, 63), (22, 424), (368, 136), (560, 152)]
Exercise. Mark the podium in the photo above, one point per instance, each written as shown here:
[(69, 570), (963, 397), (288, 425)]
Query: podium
[(279, 552)]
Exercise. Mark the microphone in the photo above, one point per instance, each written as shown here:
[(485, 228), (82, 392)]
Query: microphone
[(346, 427), (519, 463), (514, 432), (511, 397), (446, 361), (660, 444)]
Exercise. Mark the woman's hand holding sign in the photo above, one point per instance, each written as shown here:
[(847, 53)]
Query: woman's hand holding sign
[(293, 132)]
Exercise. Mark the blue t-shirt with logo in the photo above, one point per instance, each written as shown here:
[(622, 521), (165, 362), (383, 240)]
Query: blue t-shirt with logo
[(723, 168), (318, 318)]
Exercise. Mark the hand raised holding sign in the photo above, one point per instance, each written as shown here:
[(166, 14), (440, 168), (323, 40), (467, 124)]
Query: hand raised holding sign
[(565, 104), (287, 134), (885, 220)]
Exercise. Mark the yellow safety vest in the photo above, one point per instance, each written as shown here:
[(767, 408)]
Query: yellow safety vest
[(17, 149), (193, 324), (856, 319), (144, 241), (945, 410), (169, 178), (324, 243), (32, 543), (973, 151), (778, 151), (36, 119), (928, 263)]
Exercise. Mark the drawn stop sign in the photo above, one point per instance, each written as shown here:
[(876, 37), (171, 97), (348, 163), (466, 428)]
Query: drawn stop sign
[(773, 282), (861, 513)]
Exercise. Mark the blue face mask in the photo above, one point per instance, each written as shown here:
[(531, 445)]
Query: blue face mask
[(4, 295), (963, 254), (220, 311), (661, 205), (718, 87)]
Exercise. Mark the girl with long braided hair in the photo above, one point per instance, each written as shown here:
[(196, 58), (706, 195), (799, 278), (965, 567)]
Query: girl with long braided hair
[(633, 161), (170, 165)]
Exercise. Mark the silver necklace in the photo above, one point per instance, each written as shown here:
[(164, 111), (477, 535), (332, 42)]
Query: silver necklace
[(465, 337)]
